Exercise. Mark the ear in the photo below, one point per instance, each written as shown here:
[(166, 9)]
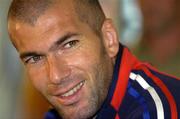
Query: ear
[(110, 38)]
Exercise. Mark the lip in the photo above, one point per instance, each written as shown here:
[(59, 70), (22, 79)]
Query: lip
[(71, 99)]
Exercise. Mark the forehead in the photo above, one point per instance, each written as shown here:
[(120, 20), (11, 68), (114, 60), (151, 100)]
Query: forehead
[(61, 10), (55, 22)]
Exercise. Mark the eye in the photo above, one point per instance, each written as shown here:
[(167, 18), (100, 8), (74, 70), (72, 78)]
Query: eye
[(33, 59), (71, 44)]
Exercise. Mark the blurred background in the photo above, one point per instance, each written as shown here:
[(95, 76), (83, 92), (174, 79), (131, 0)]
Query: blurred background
[(150, 30)]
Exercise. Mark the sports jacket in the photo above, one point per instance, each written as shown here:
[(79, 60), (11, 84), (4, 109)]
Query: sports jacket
[(138, 91)]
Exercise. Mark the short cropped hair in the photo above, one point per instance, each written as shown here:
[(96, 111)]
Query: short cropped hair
[(28, 11)]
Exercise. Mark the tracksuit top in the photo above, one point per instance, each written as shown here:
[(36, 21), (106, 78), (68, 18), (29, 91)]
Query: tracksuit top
[(137, 91)]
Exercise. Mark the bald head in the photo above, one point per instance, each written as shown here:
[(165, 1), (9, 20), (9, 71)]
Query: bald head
[(28, 11)]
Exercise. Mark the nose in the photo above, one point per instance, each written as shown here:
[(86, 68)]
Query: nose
[(57, 70)]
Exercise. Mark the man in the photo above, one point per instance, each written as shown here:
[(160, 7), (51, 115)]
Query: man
[(73, 57)]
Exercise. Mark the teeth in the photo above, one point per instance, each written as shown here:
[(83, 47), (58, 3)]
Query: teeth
[(72, 91)]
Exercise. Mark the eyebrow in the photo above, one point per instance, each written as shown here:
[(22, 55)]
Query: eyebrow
[(62, 39), (53, 47)]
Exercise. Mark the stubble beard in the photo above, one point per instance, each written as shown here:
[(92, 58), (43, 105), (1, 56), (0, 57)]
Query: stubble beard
[(97, 96), (86, 112), (94, 102)]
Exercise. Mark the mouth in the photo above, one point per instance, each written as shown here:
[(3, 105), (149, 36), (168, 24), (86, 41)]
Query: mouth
[(73, 90), (71, 96)]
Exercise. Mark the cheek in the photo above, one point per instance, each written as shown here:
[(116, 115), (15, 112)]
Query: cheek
[(85, 57), (38, 78), (92, 66)]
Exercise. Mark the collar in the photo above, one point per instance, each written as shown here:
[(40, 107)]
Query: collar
[(125, 62)]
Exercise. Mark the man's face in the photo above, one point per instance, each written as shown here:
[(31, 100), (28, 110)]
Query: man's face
[(66, 61)]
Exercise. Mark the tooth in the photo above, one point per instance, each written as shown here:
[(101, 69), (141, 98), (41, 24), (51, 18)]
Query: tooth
[(72, 91)]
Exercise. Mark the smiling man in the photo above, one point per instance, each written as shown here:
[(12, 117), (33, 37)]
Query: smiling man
[(72, 54)]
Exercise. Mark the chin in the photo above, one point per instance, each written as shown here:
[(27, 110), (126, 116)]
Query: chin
[(79, 112)]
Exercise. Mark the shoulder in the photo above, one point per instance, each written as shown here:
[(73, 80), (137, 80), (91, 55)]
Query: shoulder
[(165, 86), (156, 78)]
